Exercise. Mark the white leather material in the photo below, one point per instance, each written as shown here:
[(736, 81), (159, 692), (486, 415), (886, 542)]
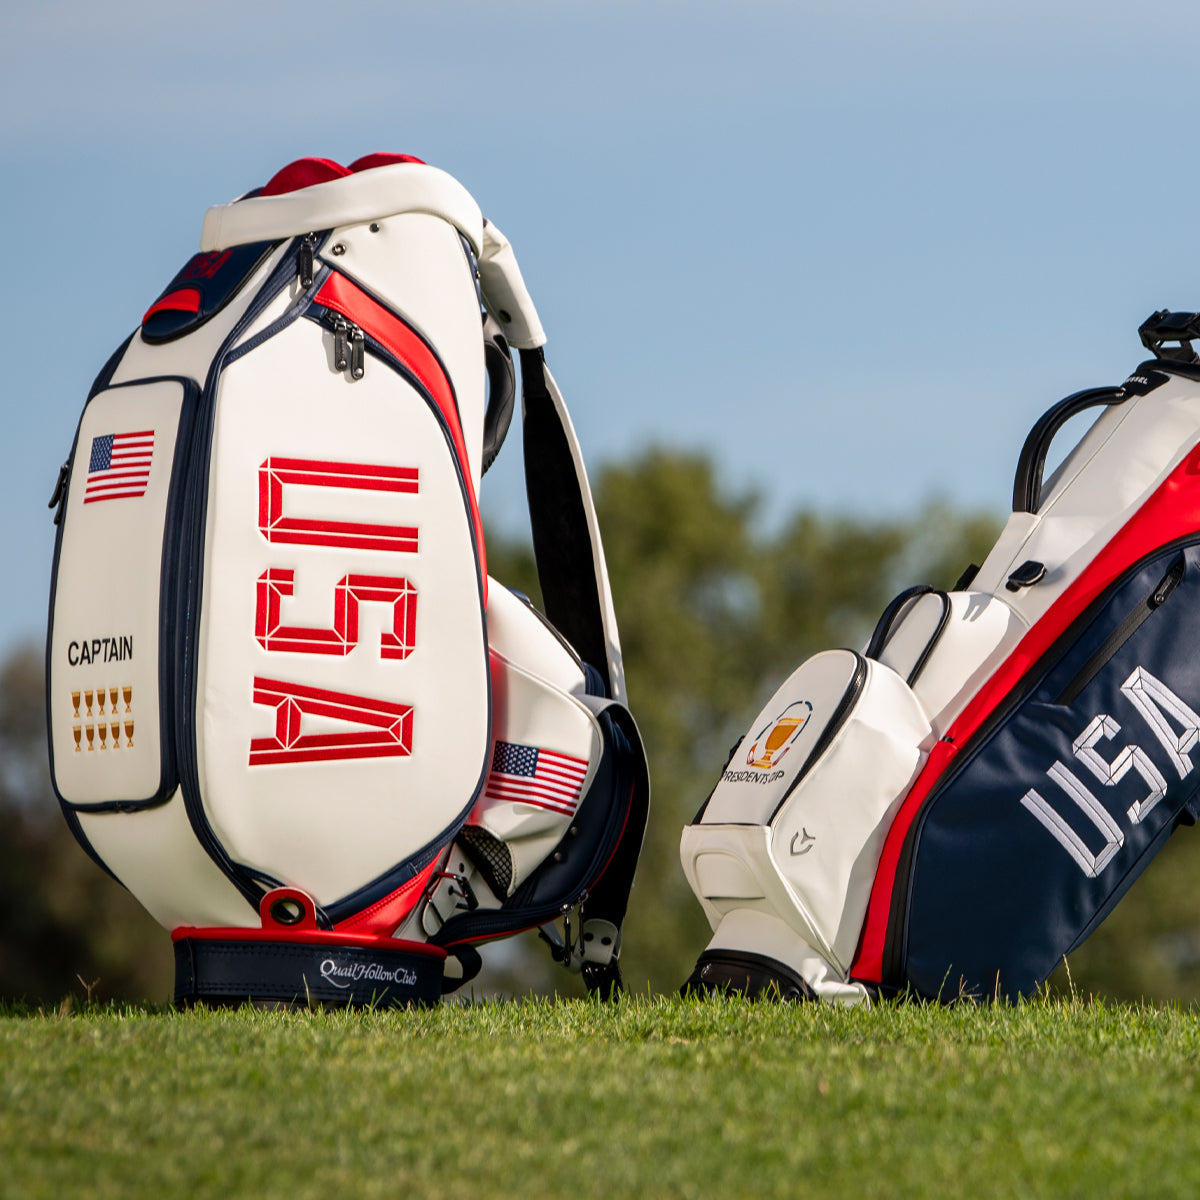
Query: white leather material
[(104, 644), (748, 931), (518, 633), (813, 865), (504, 291), (1128, 452), (979, 634), (364, 196), (781, 740), (155, 854), (418, 264), (529, 711), (333, 826)]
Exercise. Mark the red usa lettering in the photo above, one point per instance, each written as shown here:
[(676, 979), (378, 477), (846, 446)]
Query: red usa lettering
[(276, 583), (1159, 706), (384, 727)]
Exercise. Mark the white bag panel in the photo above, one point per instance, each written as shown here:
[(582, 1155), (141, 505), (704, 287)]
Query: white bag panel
[(521, 636), (504, 291), (104, 651), (364, 196), (814, 865), (332, 826), (417, 265), (914, 628), (532, 714), (781, 740), (1126, 455), (980, 632), (154, 853), (191, 355), (745, 931)]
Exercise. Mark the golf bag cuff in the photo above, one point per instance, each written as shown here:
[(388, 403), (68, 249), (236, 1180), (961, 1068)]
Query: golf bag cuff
[(504, 291)]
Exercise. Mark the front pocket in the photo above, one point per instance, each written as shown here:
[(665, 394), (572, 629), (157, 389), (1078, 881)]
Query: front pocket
[(1127, 628), (110, 698)]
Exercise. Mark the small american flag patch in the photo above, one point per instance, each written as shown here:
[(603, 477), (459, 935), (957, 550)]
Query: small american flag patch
[(119, 466), (531, 775)]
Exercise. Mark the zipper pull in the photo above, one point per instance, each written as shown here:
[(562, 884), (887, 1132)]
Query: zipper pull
[(1169, 584), (60, 492), (341, 343), (358, 364), (306, 265)]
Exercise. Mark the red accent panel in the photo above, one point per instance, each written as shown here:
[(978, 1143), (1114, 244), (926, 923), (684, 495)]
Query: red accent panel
[(401, 340), (383, 160), (302, 173), (184, 300), (275, 472), (386, 727), (1173, 511), (310, 937), (386, 914)]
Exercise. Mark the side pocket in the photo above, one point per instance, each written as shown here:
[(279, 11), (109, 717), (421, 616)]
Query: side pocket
[(109, 696), (798, 838)]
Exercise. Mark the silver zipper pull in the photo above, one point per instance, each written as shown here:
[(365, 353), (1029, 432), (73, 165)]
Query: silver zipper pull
[(358, 358), (341, 343)]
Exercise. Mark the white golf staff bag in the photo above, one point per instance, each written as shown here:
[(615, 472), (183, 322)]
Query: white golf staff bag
[(956, 809), (288, 708)]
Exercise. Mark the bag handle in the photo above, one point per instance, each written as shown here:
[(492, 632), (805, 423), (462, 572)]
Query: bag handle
[(1027, 487)]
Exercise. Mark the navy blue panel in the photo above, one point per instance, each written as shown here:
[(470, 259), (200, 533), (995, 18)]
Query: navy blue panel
[(214, 279), (995, 898)]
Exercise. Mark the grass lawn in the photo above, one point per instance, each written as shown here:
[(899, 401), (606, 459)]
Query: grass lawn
[(652, 1097)]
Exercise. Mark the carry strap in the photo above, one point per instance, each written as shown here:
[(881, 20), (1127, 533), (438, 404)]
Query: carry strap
[(566, 535)]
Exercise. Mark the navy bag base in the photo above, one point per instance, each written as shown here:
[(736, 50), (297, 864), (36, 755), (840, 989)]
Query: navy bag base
[(292, 961)]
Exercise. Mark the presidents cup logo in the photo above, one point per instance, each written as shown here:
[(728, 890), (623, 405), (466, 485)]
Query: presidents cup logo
[(344, 975), (773, 742)]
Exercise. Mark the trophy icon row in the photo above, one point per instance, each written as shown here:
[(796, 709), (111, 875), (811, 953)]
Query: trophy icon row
[(99, 730)]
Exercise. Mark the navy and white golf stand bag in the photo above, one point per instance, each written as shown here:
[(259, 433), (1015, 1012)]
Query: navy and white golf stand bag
[(288, 709), (956, 808)]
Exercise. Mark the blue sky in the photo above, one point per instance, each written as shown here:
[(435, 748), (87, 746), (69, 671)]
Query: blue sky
[(851, 251)]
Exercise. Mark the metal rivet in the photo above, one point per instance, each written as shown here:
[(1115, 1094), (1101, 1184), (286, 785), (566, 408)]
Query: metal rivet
[(339, 249), (374, 226), (558, 856), (573, 831)]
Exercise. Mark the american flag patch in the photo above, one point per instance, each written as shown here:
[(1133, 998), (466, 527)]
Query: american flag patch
[(530, 775), (119, 466)]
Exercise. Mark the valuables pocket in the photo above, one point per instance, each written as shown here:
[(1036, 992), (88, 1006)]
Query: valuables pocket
[(111, 628), (795, 826)]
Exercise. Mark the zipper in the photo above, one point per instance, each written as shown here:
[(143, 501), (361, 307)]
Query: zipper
[(836, 721), (349, 347), (1123, 632)]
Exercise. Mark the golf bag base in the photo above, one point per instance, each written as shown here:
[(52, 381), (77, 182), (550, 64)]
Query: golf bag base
[(960, 812), (290, 961), (752, 975)]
